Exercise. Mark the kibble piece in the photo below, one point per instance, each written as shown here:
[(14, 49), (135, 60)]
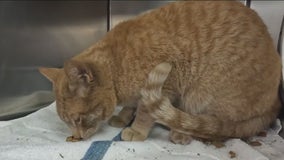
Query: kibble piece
[(218, 144), (262, 134), (232, 154), (73, 139), (254, 143)]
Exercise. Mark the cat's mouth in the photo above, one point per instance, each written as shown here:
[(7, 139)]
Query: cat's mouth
[(80, 134)]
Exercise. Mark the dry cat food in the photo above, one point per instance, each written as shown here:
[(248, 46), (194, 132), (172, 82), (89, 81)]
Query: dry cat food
[(254, 143), (73, 139), (232, 154), (262, 134), (218, 144)]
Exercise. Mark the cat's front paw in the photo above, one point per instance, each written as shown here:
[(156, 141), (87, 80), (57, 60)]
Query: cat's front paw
[(129, 134), (116, 121), (179, 138)]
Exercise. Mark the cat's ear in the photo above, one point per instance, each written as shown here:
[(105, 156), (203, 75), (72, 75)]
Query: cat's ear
[(80, 75), (50, 73)]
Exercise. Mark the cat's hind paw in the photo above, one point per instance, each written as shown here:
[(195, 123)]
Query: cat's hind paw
[(179, 138), (116, 121), (129, 134)]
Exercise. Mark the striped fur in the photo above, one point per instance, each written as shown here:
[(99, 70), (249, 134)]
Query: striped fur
[(202, 126), (223, 81), (153, 87)]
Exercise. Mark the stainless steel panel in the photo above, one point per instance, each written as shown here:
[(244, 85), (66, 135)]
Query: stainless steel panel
[(41, 33), (123, 10), (281, 51), (271, 12)]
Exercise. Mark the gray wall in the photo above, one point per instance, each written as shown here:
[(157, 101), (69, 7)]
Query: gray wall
[(41, 33), (46, 33)]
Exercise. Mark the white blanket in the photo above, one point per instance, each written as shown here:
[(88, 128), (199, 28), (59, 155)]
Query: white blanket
[(41, 136)]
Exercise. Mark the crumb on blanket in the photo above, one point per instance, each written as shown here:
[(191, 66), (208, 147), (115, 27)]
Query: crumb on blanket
[(217, 144), (133, 150), (262, 134), (232, 154), (61, 155), (73, 139), (254, 143), (251, 142)]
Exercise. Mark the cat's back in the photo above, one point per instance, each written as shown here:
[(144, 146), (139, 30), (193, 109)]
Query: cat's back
[(182, 23), (178, 14), (190, 29), (222, 41)]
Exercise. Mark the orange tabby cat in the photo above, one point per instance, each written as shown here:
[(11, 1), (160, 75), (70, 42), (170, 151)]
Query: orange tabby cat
[(223, 78)]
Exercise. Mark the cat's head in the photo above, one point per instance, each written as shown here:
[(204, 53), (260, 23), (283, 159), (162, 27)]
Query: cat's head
[(82, 99)]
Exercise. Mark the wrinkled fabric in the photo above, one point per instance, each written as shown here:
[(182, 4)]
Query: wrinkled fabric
[(41, 136)]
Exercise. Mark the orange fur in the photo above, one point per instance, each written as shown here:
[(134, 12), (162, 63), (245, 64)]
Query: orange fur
[(224, 66)]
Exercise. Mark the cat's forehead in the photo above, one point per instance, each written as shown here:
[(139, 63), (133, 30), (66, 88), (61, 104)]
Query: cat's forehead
[(73, 106), (69, 100)]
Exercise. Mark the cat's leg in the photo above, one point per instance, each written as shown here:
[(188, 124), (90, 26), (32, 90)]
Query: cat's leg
[(141, 126), (180, 138), (123, 118)]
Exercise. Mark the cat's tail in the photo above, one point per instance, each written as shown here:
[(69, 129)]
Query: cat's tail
[(203, 126), (154, 84)]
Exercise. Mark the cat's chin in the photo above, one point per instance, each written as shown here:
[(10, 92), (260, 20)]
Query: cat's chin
[(89, 133)]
